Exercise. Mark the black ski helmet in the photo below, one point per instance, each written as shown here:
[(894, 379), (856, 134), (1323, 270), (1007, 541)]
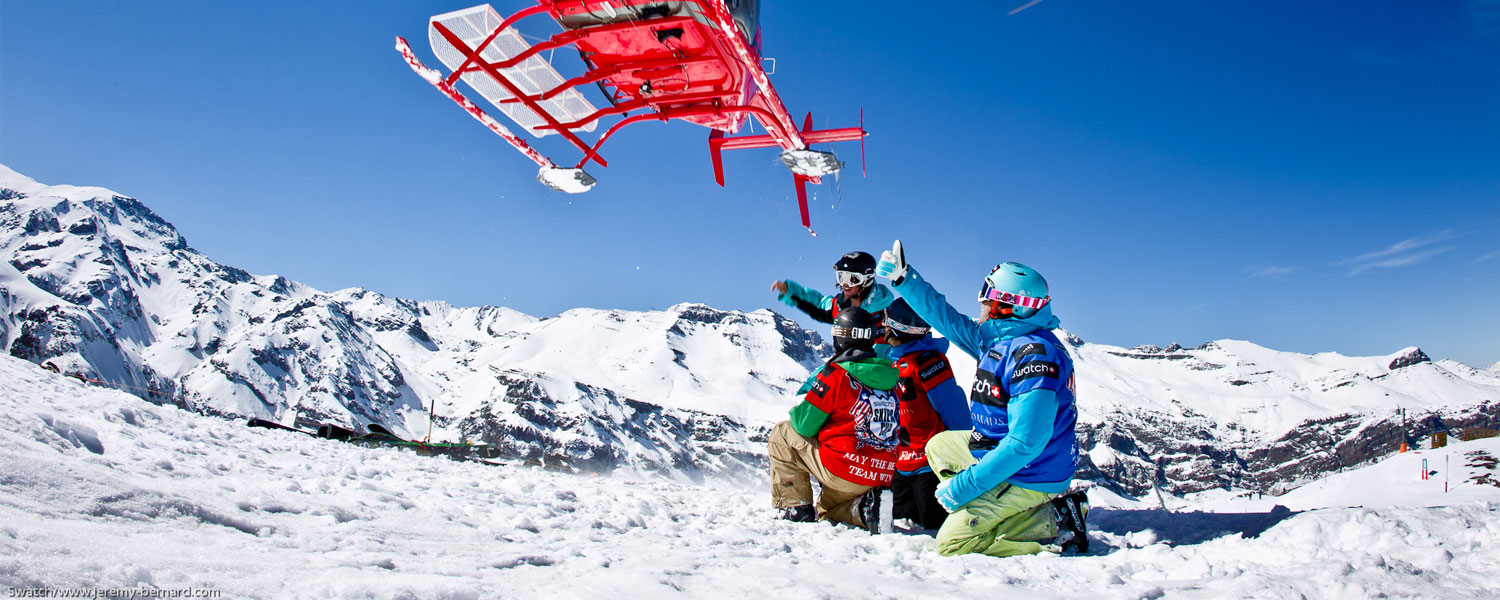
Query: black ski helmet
[(856, 262), (855, 328), (903, 321)]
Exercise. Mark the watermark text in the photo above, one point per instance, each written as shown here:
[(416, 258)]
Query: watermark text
[(143, 593)]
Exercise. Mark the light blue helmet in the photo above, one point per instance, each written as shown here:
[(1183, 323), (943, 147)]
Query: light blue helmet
[(1018, 285)]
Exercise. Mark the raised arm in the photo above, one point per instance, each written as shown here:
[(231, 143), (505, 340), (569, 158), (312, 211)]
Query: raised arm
[(816, 305), (928, 303)]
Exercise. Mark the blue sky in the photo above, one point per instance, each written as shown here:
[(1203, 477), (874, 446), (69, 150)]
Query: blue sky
[(1310, 176)]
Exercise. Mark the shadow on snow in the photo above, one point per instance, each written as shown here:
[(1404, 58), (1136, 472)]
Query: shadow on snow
[(1186, 528)]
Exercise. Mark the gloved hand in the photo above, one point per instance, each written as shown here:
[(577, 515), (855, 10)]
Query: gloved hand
[(945, 497), (892, 264), (958, 490)]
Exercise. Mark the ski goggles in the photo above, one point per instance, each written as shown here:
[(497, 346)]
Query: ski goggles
[(906, 329), (990, 293), (848, 278)]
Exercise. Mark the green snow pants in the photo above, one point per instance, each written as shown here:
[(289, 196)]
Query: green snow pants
[(1005, 521)]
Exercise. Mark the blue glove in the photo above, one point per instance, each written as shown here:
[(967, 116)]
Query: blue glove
[(958, 490), (945, 496), (892, 264)]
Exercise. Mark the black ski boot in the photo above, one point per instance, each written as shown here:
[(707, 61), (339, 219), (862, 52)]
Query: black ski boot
[(875, 510), (799, 514), (1072, 511)]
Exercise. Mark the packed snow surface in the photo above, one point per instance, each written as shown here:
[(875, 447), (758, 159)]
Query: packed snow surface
[(99, 489)]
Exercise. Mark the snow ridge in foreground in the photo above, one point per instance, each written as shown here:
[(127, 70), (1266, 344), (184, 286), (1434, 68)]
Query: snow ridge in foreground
[(101, 489)]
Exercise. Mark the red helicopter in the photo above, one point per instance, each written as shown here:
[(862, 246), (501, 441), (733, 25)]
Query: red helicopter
[(694, 60)]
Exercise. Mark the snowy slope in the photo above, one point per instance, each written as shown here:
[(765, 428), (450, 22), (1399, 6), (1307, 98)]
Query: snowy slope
[(1459, 473), (102, 286), (1270, 392), (101, 489), (688, 356)]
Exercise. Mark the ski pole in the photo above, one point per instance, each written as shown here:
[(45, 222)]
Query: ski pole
[(430, 413)]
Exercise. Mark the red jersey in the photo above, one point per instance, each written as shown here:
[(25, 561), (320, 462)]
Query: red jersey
[(920, 373), (858, 441)]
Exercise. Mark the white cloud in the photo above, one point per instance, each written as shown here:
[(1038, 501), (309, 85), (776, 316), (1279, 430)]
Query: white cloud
[(1023, 7), (1400, 254), (1490, 256), (1401, 260)]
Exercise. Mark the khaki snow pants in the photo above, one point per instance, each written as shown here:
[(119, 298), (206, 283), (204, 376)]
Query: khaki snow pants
[(794, 459), (1005, 521)]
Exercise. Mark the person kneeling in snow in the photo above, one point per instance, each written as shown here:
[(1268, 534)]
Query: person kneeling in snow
[(931, 402), (844, 434), (1001, 481)]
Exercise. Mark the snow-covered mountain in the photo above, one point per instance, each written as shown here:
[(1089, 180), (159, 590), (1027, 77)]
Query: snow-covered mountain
[(1231, 414), (97, 285)]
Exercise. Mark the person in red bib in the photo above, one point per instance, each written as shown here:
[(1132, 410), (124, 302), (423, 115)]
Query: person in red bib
[(844, 434), (931, 403)]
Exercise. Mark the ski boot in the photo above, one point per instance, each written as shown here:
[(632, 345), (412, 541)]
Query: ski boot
[(1072, 511), (802, 513)]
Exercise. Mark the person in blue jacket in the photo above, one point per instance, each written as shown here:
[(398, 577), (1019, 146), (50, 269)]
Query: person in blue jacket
[(999, 481), (855, 275)]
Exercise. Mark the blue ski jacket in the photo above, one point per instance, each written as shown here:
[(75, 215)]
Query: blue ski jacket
[(1022, 402), (825, 308)]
